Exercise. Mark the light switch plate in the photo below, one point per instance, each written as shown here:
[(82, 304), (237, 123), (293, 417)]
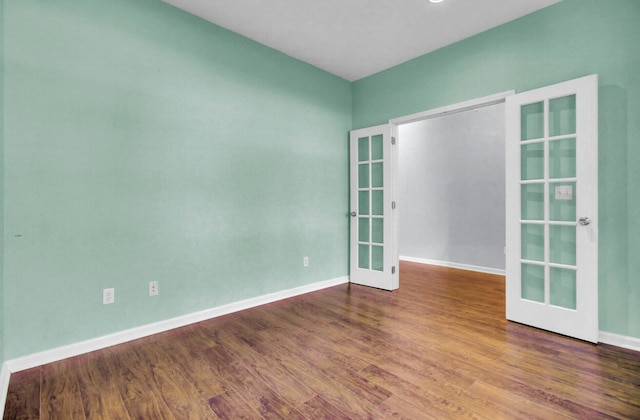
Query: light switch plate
[(564, 192)]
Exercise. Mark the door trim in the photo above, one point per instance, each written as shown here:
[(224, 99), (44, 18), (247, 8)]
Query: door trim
[(420, 116), (451, 109)]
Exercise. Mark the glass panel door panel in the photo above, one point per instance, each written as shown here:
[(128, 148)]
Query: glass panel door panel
[(562, 116), (533, 242), (377, 175), (377, 202), (541, 160), (363, 175), (377, 151), (533, 282), (562, 158), (373, 224), (552, 180), (371, 203), (363, 203), (562, 287), (377, 258), (532, 201), (562, 244), (532, 121), (363, 229), (532, 165), (363, 149), (377, 232), (363, 256)]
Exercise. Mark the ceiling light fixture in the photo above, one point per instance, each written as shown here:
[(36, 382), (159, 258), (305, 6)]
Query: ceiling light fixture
[(435, 1)]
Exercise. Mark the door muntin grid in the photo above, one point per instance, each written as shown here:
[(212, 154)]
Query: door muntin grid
[(370, 203), (548, 186)]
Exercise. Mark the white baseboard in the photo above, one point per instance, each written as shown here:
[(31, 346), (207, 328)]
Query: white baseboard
[(469, 267), (5, 375), (76, 349), (617, 340)]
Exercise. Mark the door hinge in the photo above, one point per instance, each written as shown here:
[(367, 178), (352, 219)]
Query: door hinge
[(393, 205), (393, 270), (393, 140)]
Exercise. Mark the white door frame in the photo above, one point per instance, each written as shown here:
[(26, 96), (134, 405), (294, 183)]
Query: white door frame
[(472, 104), (394, 164), (450, 109), (425, 115)]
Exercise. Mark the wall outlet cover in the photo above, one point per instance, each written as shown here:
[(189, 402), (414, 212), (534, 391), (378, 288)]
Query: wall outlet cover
[(153, 288)]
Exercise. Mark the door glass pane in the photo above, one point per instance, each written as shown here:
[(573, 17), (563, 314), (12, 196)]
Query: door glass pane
[(562, 158), (363, 202), (363, 149), (363, 256), (532, 121), (532, 282), (562, 242), (377, 203), (376, 147), (377, 233), (562, 287), (562, 116), (363, 229), (533, 242), (377, 258), (562, 201), (532, 201), (363, 175), (370, 203), (376, 175), (532, 161)]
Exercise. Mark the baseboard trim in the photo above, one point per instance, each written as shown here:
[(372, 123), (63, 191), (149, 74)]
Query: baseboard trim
[(5, 376), (469, 267), (618, 340), (60, 353)]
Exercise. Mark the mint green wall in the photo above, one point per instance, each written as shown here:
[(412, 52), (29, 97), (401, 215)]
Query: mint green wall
[(1, 183), (141, 143), (570, 39), (145, 144)]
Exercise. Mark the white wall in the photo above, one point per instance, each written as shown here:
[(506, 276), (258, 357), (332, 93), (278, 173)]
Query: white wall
[(451, 188)]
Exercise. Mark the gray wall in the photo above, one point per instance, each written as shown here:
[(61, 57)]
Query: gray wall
[(451, 188)]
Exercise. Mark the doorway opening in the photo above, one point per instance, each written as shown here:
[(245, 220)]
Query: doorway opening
[(451, 185)]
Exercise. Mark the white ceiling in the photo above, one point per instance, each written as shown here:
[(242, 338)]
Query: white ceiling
[(356, 38)]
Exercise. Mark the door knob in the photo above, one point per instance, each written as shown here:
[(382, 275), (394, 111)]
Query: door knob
[(354, 214), (584, 221)]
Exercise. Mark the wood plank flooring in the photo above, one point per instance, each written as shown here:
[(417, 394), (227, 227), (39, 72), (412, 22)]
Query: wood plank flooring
[(437, 348)]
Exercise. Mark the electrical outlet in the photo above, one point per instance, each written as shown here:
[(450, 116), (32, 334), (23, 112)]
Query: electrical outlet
[(305, 262), (108, 296), (153, 288)]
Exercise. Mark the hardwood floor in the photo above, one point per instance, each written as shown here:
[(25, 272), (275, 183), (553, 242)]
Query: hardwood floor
[(439, 347)]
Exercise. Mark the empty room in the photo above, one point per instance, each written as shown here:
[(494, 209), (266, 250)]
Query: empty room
[(214, 209)]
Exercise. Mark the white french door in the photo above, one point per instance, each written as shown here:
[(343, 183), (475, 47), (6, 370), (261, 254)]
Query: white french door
[(552, 208), (373, 248)]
